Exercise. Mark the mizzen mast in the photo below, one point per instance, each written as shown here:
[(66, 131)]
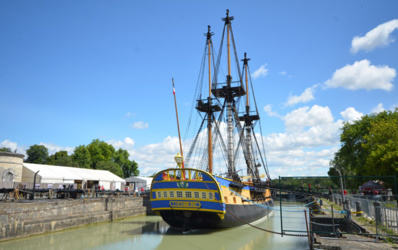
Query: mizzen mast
[(178, 124), (248, 118)]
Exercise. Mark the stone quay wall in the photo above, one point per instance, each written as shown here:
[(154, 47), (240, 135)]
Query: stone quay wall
[(25, 219)]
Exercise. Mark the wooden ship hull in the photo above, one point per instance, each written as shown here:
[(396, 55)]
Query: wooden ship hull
[(195, 199)]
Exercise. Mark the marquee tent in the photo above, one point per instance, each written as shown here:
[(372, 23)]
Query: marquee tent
[(68, 175)]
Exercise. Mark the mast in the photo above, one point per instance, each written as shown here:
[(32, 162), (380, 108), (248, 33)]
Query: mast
[(248, 125), (229, 90), (230, 138), (178, 124), (209, 115), (208, 105), (248, 121)]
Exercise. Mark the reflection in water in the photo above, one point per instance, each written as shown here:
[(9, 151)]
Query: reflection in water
[(151, 232)]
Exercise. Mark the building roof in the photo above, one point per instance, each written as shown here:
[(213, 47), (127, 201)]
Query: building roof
[(56, 173), (147, 180), (372, 185)]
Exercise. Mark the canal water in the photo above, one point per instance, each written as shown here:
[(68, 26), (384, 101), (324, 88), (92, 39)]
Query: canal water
[(150, 232)]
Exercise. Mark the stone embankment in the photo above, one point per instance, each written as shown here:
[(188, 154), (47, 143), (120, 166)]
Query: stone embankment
[(25, 219)]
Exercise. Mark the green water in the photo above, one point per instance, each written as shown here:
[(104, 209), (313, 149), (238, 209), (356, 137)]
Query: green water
[(150, 232)]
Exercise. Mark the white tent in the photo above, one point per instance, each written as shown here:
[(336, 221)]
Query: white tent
[(69, 175), (140, 182)]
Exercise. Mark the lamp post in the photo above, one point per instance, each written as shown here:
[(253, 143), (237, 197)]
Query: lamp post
[(341, 188), (34, 186), (179, 159)]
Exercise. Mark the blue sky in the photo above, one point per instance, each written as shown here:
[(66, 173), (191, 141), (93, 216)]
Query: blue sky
[(74, 71)]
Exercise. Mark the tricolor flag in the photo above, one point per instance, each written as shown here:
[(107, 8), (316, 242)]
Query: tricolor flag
[(174, 90)]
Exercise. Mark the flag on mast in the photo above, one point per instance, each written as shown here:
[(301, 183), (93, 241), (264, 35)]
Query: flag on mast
[(174, 91)]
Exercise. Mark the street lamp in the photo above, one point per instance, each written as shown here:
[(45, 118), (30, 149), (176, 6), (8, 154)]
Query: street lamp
[(341, 188), (179, 159)]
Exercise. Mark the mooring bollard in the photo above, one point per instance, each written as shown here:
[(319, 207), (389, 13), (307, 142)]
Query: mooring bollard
[(348, 208), (377, 212), (358, 208)]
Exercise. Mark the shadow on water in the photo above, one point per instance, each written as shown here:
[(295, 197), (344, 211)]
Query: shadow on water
[(160, 228)]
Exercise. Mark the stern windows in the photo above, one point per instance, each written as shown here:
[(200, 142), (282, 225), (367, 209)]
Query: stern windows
[(179, 194), (210, 195), (171, 194), (159, 195), (164, 194), (204, 195), (188, 194), (196, 195)]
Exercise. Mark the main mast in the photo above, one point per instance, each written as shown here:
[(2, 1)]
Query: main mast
[(229, 98), (229, 90)]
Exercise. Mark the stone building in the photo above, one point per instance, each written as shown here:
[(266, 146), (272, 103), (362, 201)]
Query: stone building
[(11, 166)]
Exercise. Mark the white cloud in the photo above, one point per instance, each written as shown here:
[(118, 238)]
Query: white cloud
[(350, 114), (127, 143), (377, 37), (129, 114), (53, 148), (268, 110), (362, 75), (9, 144), (305, 117), (312, 137), (306, 96), (379, 108), (13, 146), (261, 72), (140, 125)]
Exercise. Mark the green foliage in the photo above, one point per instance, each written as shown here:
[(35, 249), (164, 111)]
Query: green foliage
[(97, 155), (81, 156), (369, 147), (37, 154), (110, 166), (100, 151), (129, 167), (295, 183), (61, 158), (382, 144), (4, 149)]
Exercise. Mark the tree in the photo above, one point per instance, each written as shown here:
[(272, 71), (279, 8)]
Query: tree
[(121, 158), (81, 156), (368, 146), (37, 154), (110, 166), (382, 145), (100, 151), (4, 149), (61, 158)]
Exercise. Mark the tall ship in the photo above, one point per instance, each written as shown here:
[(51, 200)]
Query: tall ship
[(219, 183)]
